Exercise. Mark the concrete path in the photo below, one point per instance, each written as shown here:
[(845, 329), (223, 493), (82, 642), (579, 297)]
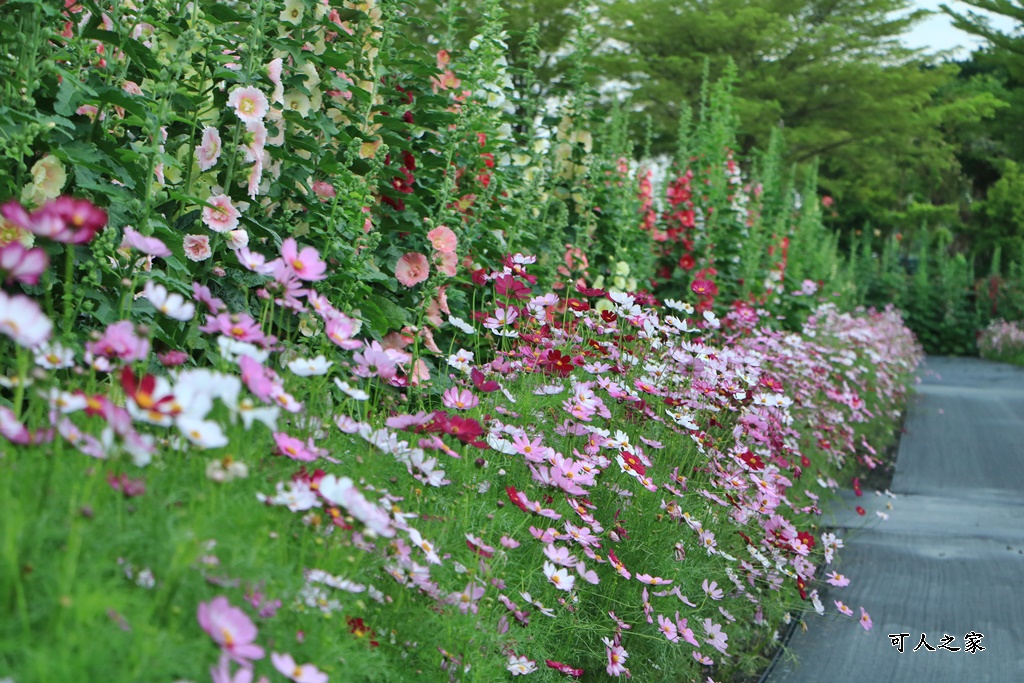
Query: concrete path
[(950, 558)]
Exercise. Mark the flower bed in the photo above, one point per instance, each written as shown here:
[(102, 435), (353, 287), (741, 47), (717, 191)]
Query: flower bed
[(1003, 341), (602, 485)]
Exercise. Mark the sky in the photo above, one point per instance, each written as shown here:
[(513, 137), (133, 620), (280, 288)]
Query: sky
[(937, 33)]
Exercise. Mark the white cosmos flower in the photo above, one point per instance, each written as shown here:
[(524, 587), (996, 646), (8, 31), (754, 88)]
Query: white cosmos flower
[(461, 324), (202, 433), (233, 349), (308, 367), (53, 356), (352, 392), (172, 305)]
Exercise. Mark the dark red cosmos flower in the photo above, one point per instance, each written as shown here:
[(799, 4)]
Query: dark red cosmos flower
[(753, 461), (704, 288), (856, 487), (589, 291), (807, 538), (564, 668), (554, 362), (359, 629), (801, 586), (609, 316), (478, 550), (478, 381), (577, 305), (508, 286), (466, 430), (771, 383), (513, 496), (861, 511), (129, 487)]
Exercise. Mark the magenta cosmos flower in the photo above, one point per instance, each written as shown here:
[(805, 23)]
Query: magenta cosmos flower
[(20, 264), (230, 628), (412, 269)]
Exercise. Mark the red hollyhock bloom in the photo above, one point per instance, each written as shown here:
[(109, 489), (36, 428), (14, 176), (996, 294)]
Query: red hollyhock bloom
[(687, 262)]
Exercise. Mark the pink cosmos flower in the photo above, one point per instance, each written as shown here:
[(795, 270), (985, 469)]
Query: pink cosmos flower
[(21, 264), (249, 103), (305, 264), (23, 320), (716, 638), (563, 668), (230, 628), (222, 672), (208, 152), (668, 628), (653, 580), (712, 589), (443, 239), (151, 246), (65, 219), (304, 673), (220, 215), (197, 247), (459, 399), (412, 269), (865, 620), (468, 598), (119, 341), (843, 609), (293, 448), (617, 656), (172, 358), (340, 330), (837, 579)]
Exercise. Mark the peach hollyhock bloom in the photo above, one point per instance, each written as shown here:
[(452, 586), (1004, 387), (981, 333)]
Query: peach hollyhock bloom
[(197, 247), (443, 239), (412, 269), (447, 262), (249, 103), (48, 178), (208, 152), (220, 215)]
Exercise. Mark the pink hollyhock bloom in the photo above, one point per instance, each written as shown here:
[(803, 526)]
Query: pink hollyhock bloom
[(208, 152), (197, 247), (443, 239), (865, 620), (274, 69), (220, 215), (305, 673), (293, 448), (119, 341), (460, 399), (305, 264), (412, 269), (151, 246), (447, 262), (230, 628), (255, 177), (324, 191), (249, 103), (21, 264)]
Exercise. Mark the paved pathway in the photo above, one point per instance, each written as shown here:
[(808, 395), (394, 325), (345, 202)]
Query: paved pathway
[(950, 558)]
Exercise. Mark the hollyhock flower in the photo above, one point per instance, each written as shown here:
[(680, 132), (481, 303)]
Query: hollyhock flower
[(238, 239), (23, 320), (412, 269), (48, 179), (249, 103), (208, 152), (305, 264), (172, 305), (521, 665), (459, 399), (197, 247), (151, 246), (443, 239), (447, 262), (21, 264), (230, 628), (865, 620), (220, 215), (304, 673)]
